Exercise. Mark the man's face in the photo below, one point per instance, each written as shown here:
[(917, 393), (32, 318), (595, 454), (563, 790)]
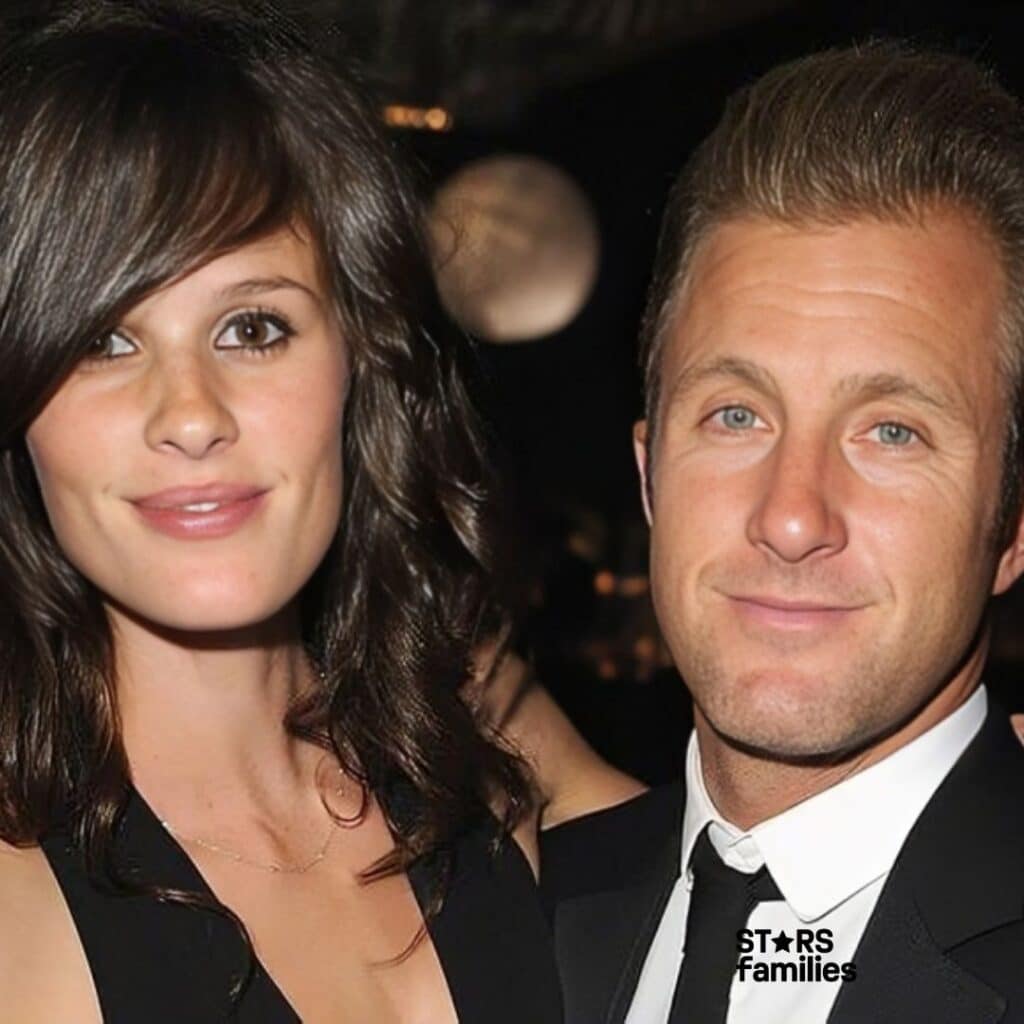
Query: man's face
[(826, 475)]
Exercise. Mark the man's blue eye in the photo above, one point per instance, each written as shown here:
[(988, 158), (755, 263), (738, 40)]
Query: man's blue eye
[(737, 417), (895, 435)]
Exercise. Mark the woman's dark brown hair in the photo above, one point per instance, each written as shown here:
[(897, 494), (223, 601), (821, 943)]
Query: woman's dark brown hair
[(137, 142)]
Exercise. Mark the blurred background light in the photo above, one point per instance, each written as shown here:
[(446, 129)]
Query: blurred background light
[(516, 247)]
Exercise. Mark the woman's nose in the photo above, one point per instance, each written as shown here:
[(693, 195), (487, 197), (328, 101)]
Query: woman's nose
[(189, 413)]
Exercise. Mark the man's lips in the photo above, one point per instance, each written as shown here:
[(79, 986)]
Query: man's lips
[(789, 613), (783, 604)]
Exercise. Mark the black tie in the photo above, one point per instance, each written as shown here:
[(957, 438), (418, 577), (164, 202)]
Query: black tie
[(720, 905)]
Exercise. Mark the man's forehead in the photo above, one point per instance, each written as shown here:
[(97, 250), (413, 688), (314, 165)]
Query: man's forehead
[(934, 243), (938, 282)]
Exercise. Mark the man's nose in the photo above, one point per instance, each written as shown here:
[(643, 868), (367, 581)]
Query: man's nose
[(189, 412), (797, 514)]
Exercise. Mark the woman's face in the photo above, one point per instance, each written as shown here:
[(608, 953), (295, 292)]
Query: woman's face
[(191, 466)]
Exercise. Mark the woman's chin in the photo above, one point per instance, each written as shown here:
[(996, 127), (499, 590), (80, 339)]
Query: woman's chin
[(201, 613)]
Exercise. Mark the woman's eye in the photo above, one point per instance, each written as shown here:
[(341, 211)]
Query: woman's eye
[(255, 331), (736, 417), (894, 435), (109, 346)]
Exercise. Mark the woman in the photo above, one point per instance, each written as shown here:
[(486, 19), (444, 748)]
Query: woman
[(244, 555)]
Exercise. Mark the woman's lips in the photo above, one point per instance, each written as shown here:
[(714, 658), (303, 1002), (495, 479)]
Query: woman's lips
[(191, 524)]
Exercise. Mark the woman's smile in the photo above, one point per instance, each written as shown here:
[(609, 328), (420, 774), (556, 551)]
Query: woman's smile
[(200, 519)]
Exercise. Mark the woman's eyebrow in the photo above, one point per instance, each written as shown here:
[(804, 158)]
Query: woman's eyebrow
[(257, 285)]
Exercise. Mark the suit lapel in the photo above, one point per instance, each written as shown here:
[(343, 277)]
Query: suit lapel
[(902, 975), (603, 933), (960, 874), (651, 900), (601, 943)]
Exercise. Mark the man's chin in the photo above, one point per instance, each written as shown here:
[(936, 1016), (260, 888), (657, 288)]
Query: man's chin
[(802, 749), (792, 725)]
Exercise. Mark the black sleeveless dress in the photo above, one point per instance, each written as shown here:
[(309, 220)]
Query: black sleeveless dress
[(156, 963)]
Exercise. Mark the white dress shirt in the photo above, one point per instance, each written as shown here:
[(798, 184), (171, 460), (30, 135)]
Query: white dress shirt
[(829, 855)]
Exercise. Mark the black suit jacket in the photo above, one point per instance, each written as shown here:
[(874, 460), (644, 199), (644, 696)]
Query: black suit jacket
[(945, 944)]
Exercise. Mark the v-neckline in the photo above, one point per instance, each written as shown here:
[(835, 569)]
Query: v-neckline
[(192, 879)]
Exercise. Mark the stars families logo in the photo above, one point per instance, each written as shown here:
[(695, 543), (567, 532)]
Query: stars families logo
[(805, 961)]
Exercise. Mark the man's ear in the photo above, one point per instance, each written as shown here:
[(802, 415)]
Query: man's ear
[(640, 454), (1011, 564)]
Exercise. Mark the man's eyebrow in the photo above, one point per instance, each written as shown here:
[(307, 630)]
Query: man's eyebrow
[(257, 285), (726, 367), (893, 385), (863, 387)]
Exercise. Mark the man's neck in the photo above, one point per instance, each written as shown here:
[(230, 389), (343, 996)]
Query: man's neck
[(748, 788)]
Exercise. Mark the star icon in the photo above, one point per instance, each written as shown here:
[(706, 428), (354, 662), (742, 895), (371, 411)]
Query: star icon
[(782, 942)]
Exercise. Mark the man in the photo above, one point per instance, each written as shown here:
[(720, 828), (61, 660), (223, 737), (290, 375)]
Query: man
[(831, 471)]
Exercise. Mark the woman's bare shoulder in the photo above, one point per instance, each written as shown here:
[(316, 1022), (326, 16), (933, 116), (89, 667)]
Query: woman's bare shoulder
[(27, 891), (44, 976), (571, 778), (575, 779)]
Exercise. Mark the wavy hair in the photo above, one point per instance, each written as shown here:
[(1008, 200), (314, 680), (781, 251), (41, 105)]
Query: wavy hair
[(137, 142)]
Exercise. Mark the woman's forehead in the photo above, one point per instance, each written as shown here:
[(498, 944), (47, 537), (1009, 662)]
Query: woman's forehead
[(284, 258)]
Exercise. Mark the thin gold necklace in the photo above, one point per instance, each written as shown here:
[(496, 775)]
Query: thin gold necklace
[(276, 867)]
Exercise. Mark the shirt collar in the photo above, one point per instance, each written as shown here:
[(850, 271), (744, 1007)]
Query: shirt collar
[(827, 848)]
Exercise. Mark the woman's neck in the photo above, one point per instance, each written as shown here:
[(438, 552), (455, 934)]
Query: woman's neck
[(202, 719)]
